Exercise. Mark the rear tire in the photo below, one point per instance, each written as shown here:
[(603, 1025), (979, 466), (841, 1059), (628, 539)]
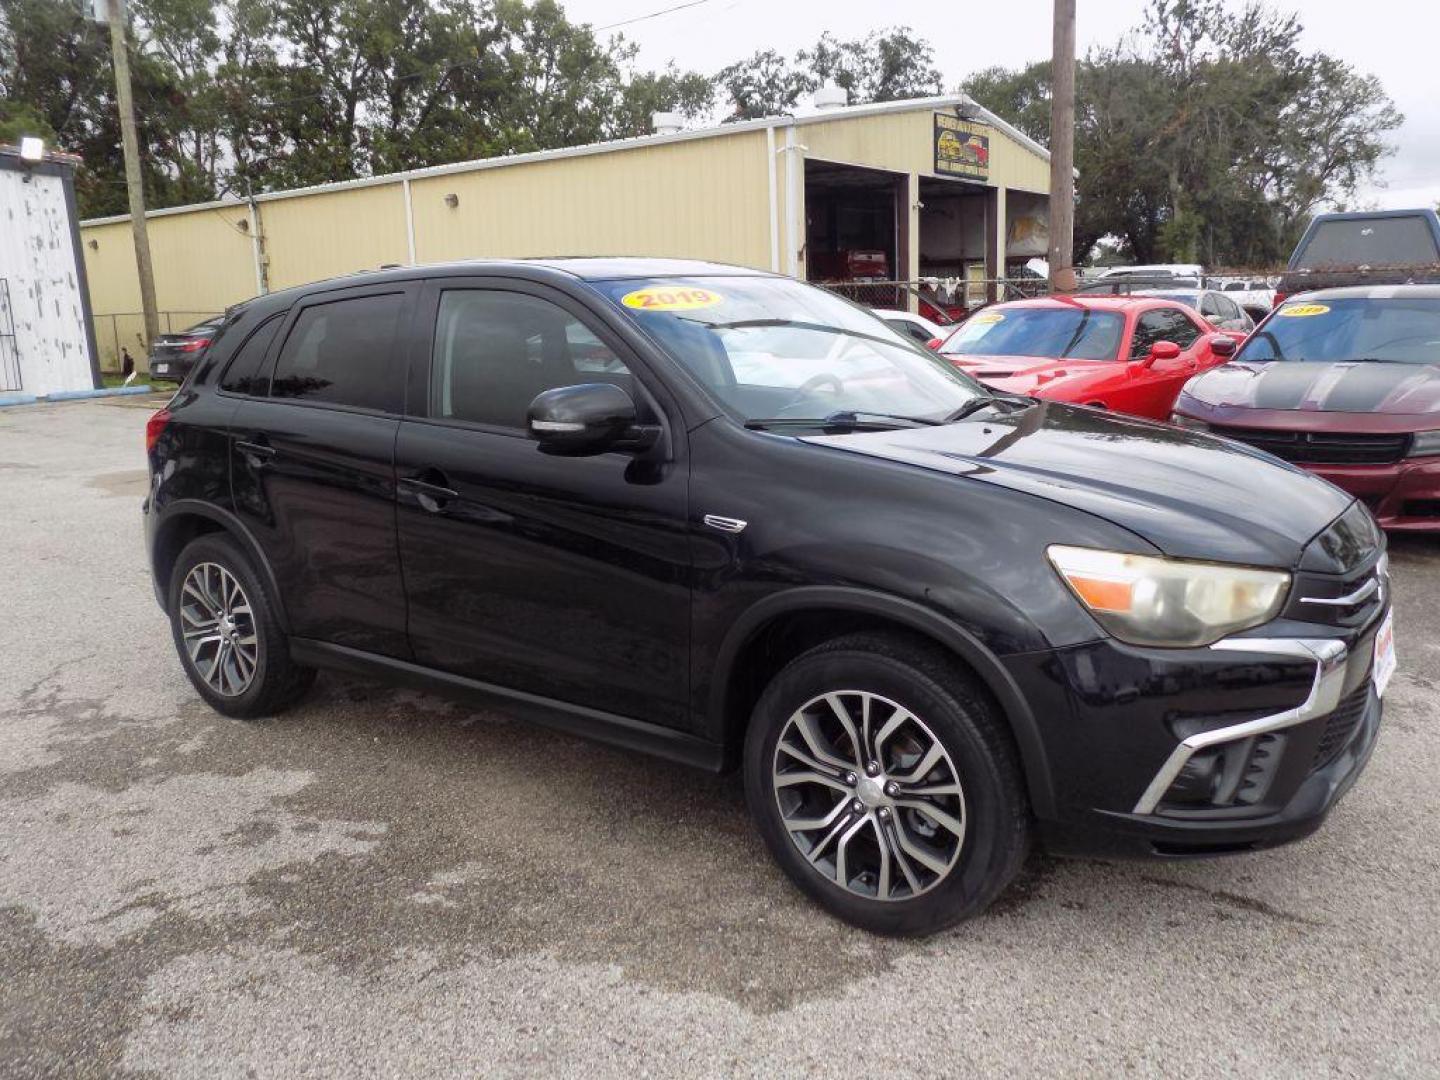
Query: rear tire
[(225, 629), (933, 830)]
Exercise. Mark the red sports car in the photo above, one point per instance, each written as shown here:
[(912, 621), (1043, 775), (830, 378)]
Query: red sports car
[(1127, 353), (1346, 383)]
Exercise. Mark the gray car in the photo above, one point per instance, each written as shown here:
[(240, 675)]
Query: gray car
[(1217, 309)]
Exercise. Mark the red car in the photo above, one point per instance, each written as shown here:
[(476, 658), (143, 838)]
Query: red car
[(1130, 354), (1345, 383)]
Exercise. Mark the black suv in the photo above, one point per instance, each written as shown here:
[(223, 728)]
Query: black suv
[(732, 519)]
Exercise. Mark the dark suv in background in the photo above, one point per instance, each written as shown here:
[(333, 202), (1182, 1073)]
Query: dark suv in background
[(731, 519), (1364, 247)]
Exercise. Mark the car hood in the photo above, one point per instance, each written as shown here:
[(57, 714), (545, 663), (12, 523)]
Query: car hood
[(1188, 494), (1354, 387)]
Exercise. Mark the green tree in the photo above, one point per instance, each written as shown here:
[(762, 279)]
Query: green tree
[(882, 66), (1212, 136), (763, 84), (888, 65)]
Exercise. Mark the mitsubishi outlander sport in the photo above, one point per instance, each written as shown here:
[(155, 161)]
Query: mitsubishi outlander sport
[(733, 520)]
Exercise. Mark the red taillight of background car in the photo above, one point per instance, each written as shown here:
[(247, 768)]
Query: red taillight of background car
[(1280, 298), (193, 345), (934, 343), (154, 427)]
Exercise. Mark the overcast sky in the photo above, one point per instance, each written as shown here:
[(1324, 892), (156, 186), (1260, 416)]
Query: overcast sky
[(1394, 39)]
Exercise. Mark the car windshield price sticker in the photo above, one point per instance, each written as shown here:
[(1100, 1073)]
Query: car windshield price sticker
[(1300, 311), (678, 299), (1384, 654)]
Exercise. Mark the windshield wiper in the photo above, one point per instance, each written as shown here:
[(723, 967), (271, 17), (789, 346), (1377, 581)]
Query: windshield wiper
[(970, 408), (849, 419)]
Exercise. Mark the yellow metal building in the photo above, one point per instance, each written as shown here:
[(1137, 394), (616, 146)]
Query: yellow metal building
[(939, 187)]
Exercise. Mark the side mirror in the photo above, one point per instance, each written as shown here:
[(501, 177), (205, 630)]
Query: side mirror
[(1222, 345), (1161, 350), (587, 419)]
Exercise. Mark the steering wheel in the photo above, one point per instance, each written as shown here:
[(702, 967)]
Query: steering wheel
[(810, 385)]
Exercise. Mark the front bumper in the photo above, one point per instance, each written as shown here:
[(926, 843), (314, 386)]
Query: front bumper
[(1404, 497), (1191, 752)]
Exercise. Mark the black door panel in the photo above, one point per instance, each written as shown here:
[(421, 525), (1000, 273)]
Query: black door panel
[(313, 466), (321, 504), (566, 577)]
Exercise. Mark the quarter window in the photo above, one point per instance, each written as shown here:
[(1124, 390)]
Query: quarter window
[(244, 374), (342, 352), (495, 351)]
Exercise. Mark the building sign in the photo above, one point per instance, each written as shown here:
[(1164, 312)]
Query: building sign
[(962, 148)]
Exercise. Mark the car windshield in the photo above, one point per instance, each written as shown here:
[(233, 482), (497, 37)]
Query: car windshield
[(1398, 329), (775, 349), (1070, 333)]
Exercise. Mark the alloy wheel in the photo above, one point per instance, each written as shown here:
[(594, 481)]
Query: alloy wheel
[(868, 795), (219, 629)]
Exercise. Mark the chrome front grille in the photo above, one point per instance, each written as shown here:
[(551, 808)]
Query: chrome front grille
[(1341, 601)]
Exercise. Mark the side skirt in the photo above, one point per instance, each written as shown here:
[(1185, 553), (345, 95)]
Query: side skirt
[(622, 731)]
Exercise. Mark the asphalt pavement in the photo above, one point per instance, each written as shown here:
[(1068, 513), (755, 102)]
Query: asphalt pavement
[(382, 883)]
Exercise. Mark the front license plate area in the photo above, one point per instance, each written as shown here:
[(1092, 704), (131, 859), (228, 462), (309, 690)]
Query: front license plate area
[(1384, 654)]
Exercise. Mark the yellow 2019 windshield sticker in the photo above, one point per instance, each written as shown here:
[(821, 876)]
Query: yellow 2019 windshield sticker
[(985, 318), (667, 299), (1300, 311)]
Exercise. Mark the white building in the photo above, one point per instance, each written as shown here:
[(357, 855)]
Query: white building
[(47, 341)]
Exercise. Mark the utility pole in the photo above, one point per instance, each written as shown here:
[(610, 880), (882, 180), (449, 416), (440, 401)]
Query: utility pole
[(1062, 149), (115, 9)]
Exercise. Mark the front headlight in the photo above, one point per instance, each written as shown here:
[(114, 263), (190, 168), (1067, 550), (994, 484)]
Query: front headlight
[(1190, 422), (1147, 600), (1424, 443)]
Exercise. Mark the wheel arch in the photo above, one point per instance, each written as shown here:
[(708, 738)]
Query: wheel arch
[(827, 612), (186, 519)]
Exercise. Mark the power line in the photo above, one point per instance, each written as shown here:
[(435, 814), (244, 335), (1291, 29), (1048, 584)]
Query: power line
[(652, 15)]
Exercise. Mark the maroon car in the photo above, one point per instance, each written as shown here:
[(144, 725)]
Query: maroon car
[(1346, 383)]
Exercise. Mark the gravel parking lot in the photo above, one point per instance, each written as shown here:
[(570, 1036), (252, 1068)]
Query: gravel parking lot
[(383, 883)]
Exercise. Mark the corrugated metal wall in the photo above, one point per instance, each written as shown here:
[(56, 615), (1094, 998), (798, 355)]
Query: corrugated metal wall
[(334, 232), (705, 198), (904, 142), (203, 262)]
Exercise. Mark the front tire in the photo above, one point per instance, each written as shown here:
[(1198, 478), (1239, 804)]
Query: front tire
[(227, 634), (885, 783)]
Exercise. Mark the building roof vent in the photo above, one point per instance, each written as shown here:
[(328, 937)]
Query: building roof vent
[(667, 123), (830, 97)]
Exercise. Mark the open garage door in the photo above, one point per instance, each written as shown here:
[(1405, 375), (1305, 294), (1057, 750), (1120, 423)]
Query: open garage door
[(854, 231)]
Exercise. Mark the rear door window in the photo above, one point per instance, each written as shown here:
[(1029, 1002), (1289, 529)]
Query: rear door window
[(1373, 242), (342, 352)]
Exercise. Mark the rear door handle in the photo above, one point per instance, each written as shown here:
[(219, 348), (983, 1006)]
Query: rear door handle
[(430, 490), (257, 452)]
